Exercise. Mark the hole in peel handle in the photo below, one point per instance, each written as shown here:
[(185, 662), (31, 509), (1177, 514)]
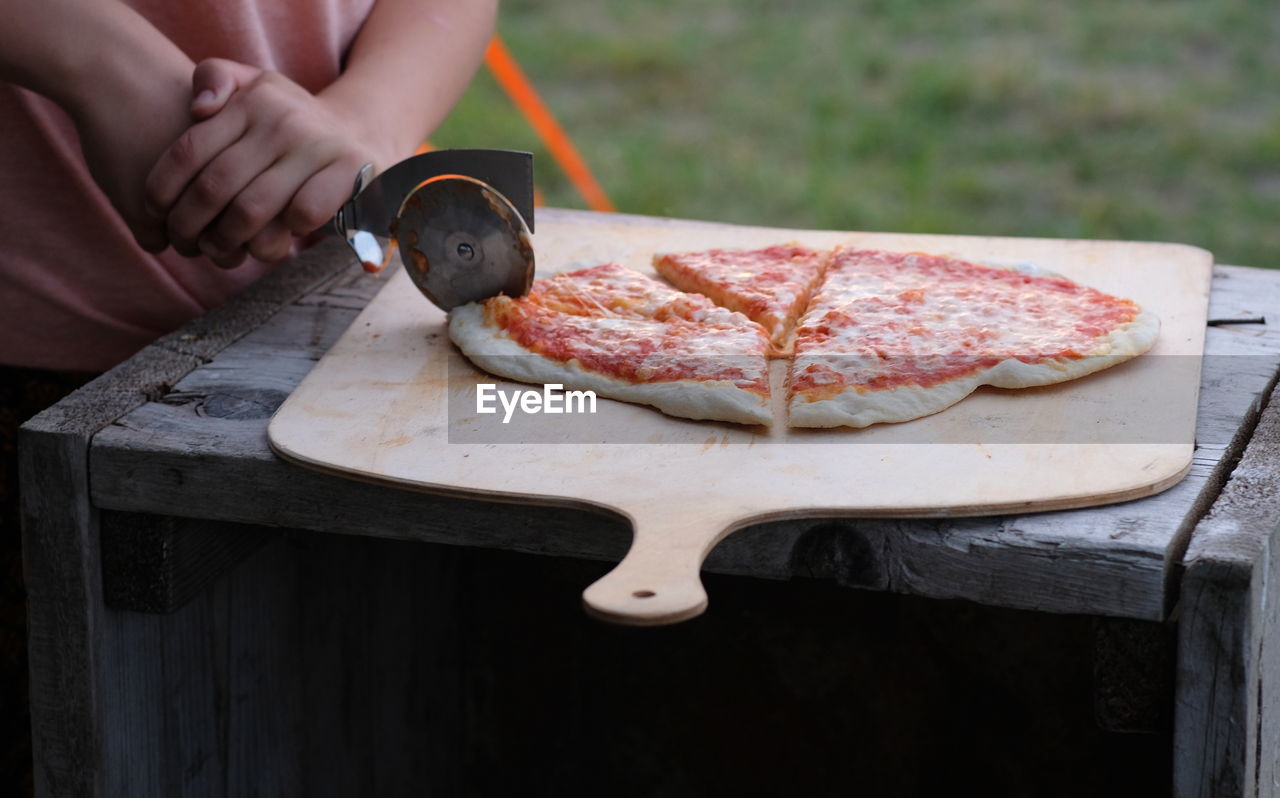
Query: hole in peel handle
[(654, 585)]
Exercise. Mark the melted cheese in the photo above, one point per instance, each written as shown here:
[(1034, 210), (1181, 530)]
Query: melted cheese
[(883, 320), (769, 285), (617, 322)]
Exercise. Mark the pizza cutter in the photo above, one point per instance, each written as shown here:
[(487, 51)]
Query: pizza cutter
[(460, 218)]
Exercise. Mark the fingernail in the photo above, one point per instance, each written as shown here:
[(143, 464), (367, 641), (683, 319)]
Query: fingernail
[(205, 97)]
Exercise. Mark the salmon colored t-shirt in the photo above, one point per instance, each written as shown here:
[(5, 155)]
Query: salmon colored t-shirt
[(76, 291)]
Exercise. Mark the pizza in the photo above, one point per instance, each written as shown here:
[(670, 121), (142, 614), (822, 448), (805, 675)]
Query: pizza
[(896, 336), (615, 331), (872, 336), (770, 285)]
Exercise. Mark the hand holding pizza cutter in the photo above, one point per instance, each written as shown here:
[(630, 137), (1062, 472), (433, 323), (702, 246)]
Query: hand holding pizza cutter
[(461, 219)]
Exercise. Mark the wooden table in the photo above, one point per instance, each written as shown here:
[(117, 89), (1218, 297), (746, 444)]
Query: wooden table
[(181, 644)]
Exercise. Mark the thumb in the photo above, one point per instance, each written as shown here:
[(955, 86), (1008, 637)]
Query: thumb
[(213, 83)]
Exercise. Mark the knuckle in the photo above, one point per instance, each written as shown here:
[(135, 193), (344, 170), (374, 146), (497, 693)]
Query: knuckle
[(208, 187), (155, 198), (261, 85), (259, 251), (266, 87), (183, 150), (248, 211), (289, 124), (305, 214), (270, 246)]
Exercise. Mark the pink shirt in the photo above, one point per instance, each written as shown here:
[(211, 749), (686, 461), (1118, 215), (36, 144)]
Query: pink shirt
[(86, 300)]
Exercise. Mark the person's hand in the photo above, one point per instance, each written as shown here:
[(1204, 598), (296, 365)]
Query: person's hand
[(270, 160)]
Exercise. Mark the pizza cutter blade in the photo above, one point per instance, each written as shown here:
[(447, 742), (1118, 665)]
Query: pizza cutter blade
[(461, 241), (461, 219)]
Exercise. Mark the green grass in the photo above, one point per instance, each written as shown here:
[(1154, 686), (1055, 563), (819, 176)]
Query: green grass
[(1146, 120)]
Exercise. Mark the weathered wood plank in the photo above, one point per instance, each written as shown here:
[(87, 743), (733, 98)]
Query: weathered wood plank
[(1227, 739), (784, 689), (63, 578), (1111, 560), (59, 549), (156, 563), (165, 680), (72, 719), (322, 666), (381, 631), (1113, 570), (263, 710), (240, 480)]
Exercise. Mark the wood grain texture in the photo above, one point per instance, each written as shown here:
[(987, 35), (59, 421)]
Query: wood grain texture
[(63, 577), (72, 726), (321, 666), (1227, 739), (799, 688), (156, 563), (172, 456), (59, 547)]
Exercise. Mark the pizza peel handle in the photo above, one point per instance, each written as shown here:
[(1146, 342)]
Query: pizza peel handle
[(658, 583)]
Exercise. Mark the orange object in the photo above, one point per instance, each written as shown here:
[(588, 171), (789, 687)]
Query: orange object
[(513, 81)]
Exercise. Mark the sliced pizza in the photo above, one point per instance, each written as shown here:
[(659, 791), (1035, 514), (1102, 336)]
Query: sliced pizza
[(896, 336), (626, 336), (769, 285)]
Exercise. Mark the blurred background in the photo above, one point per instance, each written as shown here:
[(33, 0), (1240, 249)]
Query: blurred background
[(1146, 120)]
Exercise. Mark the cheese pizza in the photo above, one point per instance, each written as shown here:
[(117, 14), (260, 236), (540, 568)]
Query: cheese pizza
[(874, 336)]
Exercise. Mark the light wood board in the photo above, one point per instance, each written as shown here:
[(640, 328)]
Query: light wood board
[(393, 402)]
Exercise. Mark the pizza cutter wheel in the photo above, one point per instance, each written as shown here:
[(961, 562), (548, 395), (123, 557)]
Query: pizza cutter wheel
[(461, 241)]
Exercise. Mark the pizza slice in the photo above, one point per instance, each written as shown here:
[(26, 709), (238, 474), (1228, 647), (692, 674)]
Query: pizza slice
[(896, 336), (626, 336), (770, 285)]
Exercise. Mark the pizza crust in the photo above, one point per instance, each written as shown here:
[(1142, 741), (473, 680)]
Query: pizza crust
[(493, 350), (854, 408)]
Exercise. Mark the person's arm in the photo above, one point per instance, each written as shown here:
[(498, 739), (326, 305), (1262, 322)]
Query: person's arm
[(274, 160), (123, 83), (409, 66)]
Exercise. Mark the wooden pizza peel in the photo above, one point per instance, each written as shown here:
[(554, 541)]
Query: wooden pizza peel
[(393, 402)]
